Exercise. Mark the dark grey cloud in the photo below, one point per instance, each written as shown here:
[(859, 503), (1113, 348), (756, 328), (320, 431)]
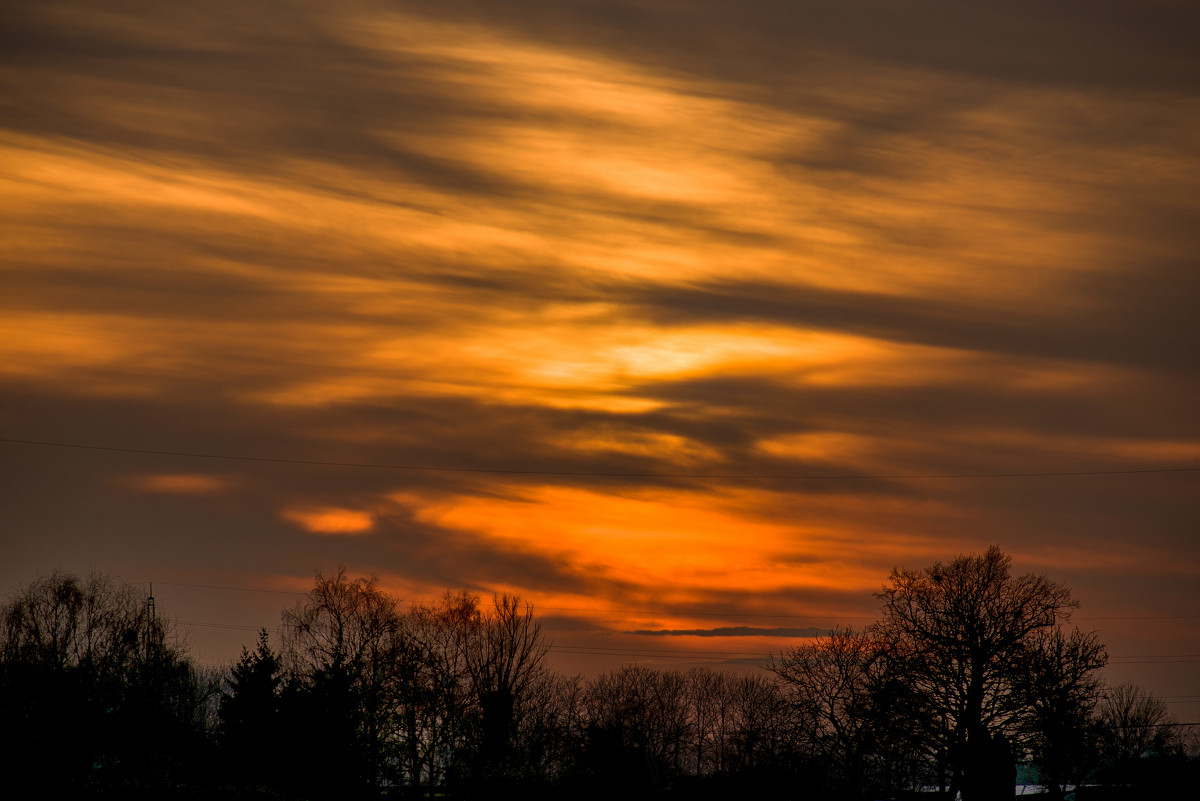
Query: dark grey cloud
[(202, 416), (229, 90), (1137, 318), (776, 42), (797, 602), (734, 631), (950, 408), (80, 504)]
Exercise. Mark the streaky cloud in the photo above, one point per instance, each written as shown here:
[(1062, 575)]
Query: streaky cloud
[(734, 631)]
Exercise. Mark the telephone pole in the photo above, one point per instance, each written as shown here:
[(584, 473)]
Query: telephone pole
[(150, 614)]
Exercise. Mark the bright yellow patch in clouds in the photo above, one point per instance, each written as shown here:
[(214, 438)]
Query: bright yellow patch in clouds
[(177, 483), (616, 356), (589, 363), (330, 520)]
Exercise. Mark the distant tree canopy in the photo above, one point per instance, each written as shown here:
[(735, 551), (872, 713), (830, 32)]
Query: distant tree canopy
[(94, 691), (969, 670), (438, 694)]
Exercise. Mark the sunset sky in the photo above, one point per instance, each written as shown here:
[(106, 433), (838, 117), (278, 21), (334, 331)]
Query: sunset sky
[(660, 313)]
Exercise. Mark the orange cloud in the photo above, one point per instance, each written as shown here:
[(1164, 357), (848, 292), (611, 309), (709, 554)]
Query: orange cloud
[(330, 520), (178, 484), (676, 542)]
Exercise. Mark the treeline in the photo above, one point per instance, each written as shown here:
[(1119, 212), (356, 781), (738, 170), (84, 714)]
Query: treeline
[(970, 671)]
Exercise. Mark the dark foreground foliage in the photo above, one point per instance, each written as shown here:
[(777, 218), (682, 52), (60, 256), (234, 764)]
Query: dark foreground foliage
[(970, 670), (94, 696)]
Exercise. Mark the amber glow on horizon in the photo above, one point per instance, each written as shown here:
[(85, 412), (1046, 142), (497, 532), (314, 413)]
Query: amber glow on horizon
[(669, 541)]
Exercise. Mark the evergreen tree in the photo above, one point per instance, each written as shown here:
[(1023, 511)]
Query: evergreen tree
[(250, 715)]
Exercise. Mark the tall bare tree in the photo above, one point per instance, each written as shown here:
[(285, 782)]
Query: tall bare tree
[(764, 733), (435, 687), (1133, 724), (505, 659), (1060, 681), (831, 686), (710, 701), (342, 642), (963, 629)]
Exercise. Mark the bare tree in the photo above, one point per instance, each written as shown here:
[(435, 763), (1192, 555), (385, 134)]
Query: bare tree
[(831, 685), (1061, 684), (1133, 724), (962, 629), (711, 716), (550, 727), (638, 728), (59, 621), (342, 642), (764, 732), (435, 686), (504, 657)]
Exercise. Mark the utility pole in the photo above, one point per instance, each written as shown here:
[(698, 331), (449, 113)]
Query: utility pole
[(150, 613)]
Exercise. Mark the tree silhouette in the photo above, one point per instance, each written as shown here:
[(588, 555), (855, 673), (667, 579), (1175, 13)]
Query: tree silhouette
[(250, 716), (1061, 684), (1142, 746), (832, 684), (504, 657), (963, 630), (87, 674), (434, 687), (969, 668), (341, 646)]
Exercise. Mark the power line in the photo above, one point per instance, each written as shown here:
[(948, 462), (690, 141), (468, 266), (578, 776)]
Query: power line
[(226, 587), (1143, 617), (1169, 656), (228, 626), (591, 474)]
